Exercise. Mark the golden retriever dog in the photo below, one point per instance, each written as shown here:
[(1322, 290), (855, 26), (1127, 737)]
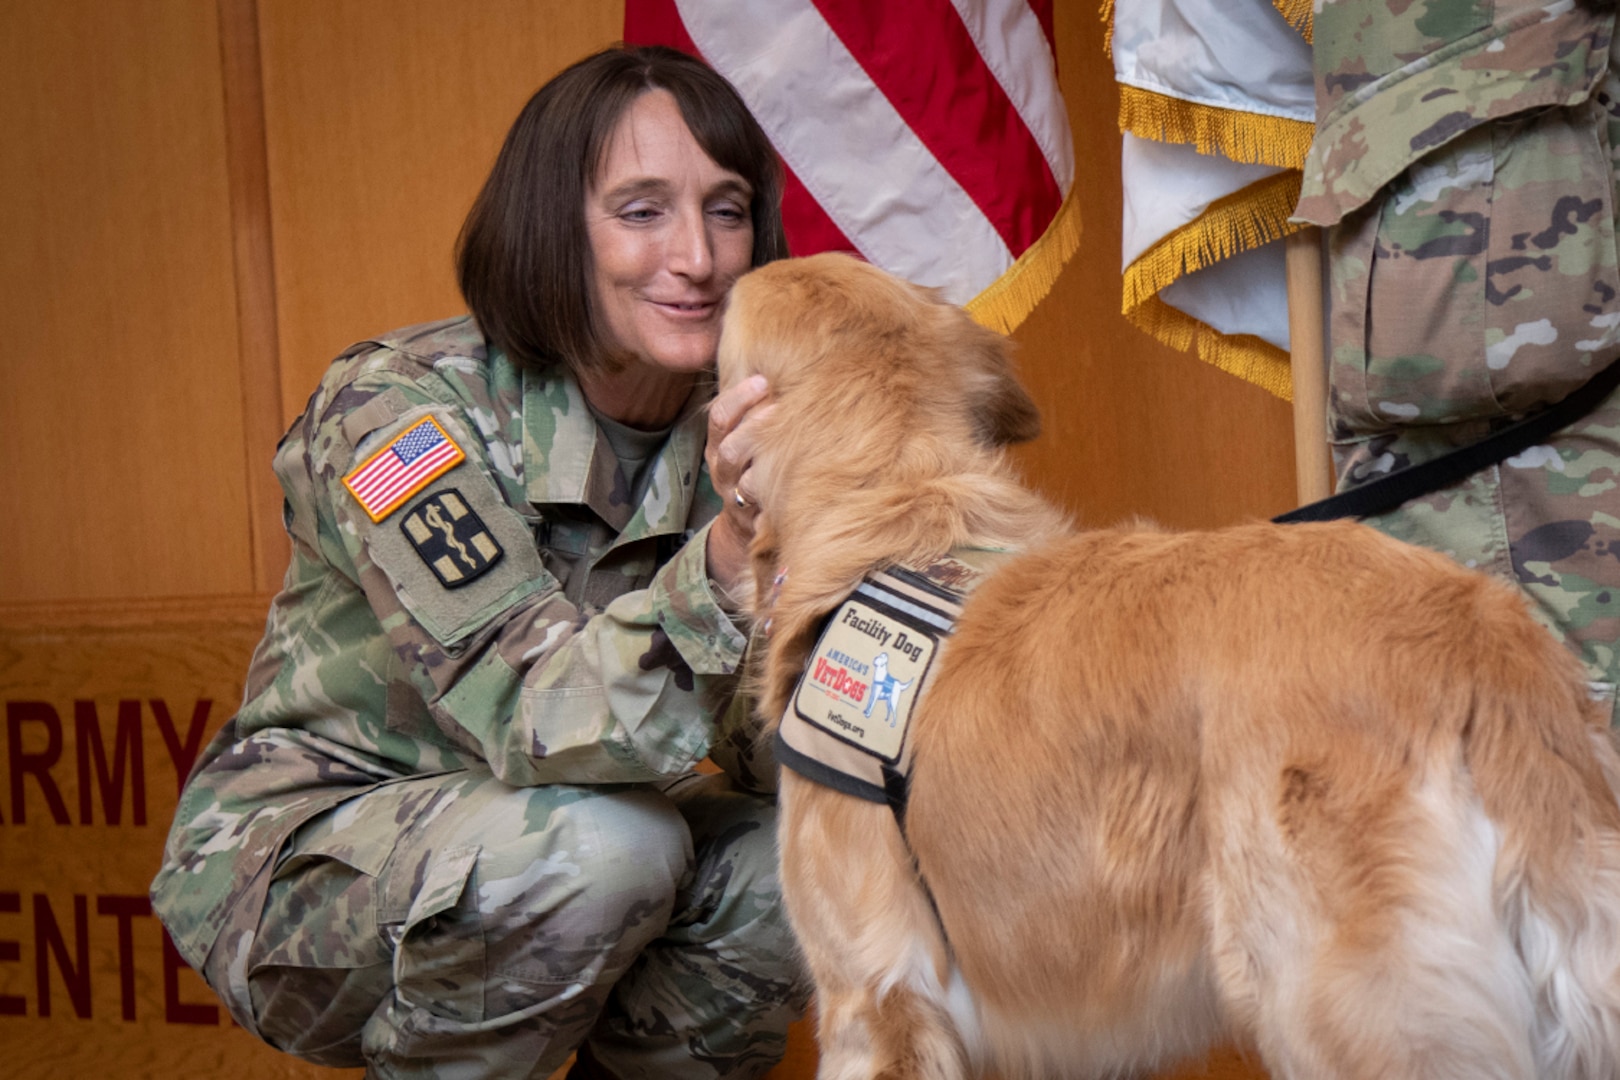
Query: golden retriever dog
[(1302, 787)]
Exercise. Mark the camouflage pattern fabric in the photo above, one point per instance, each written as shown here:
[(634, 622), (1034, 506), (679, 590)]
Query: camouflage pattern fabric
[(505, 925), (514, 626), (1463, 167)]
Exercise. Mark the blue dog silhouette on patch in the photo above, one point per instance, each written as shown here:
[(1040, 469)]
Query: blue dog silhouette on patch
[(885, 687)]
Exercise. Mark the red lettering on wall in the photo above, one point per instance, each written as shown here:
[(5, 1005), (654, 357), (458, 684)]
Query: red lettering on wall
[(10, 953), (73, 962), (184, 755), (105, 768), (48, 942), (125, 909), (20, 763), (128, 759)]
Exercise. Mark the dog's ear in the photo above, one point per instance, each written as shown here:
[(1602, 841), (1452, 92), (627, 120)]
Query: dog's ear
[(1003, 411)]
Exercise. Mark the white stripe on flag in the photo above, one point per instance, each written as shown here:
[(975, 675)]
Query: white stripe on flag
[(858, 158), (1011, 43)]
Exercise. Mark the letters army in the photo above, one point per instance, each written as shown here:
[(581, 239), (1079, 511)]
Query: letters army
[(79, 940)]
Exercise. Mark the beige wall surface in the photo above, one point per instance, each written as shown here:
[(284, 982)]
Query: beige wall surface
[(203, 202), (382, 120), (122, 410)]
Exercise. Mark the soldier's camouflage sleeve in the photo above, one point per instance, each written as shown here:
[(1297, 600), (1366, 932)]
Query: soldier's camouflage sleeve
[(499, 662)]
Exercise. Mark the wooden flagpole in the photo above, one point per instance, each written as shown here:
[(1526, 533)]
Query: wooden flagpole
[(1313, 466)]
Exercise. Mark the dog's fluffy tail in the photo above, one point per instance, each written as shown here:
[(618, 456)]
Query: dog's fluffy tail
[(1545, 767)]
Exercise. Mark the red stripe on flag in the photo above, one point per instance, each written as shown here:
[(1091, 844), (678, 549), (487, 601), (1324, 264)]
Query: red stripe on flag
[(656, 22), (923, 59)]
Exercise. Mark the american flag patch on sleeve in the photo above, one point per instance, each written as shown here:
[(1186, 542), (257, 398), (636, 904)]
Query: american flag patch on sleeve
[(413, 460)]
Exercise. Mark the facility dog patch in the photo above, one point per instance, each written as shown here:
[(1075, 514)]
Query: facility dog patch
[(846, 723), (864, 675)]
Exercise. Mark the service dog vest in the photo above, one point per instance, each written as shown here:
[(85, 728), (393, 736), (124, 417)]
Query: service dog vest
[(846, 722)]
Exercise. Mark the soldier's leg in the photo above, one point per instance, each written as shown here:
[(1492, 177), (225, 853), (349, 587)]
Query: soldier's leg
[(1561, 511), (712, 997), (505, 916), (1547, 520)]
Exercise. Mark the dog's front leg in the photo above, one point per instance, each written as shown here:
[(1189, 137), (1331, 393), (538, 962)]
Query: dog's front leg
[(869, 937)]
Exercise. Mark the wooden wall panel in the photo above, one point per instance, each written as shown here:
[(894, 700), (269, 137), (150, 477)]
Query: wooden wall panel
[(1133, 428), (383, 118), (122, 410)]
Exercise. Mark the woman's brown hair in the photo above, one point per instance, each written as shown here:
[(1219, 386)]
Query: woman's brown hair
[(523, 259)]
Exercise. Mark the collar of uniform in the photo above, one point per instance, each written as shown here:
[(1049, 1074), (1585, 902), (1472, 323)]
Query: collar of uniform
[(568, 459)]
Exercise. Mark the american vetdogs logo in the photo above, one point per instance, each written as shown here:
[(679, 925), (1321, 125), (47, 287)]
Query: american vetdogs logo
[(451, 539), (856, 686)]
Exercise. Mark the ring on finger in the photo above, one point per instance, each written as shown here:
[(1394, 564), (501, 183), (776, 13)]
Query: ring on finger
[(738, 498)]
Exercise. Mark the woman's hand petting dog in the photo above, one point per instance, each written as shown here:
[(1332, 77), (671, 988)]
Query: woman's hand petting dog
[(735, 417)]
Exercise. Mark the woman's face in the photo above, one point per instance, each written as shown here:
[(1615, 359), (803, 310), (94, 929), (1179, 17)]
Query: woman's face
[(670, 232)]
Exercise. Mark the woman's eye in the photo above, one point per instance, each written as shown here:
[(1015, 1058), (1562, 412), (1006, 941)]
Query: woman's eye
[(730, 212), (638, 213)]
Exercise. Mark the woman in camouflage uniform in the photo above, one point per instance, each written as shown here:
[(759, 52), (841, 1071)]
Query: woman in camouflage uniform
[(455, 829)]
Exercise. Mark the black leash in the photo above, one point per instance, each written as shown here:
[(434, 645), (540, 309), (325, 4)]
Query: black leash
[(1386, 493)]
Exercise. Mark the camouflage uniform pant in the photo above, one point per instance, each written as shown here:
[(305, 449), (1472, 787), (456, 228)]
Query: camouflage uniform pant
[(1547, 520), (453, 926), (1475, 288)]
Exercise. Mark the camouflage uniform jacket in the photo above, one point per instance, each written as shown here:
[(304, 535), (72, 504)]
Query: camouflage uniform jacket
[(579, 642)]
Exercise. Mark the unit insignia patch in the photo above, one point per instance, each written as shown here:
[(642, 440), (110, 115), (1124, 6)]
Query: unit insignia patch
[(451, 538)]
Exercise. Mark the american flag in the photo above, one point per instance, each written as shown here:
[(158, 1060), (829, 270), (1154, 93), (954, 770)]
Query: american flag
[(929, 136), (402, 468)]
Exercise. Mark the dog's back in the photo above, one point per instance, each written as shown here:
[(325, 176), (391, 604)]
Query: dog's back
[(1327, 787)]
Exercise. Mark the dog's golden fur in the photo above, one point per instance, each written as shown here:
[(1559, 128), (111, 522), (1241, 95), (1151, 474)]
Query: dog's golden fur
[(1301, 786)]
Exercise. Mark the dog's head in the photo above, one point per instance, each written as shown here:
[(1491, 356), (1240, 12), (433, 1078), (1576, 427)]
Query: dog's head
[(886, 397), (838, 336)]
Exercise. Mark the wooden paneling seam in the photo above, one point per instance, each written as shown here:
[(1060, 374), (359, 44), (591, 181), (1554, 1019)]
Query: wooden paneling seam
[(259, 351)]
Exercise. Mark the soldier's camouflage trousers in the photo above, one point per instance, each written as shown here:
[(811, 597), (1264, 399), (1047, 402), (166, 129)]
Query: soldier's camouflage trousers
[(1547, 519), (454, 927)]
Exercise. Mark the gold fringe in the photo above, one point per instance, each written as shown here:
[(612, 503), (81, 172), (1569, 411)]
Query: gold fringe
[(1298, 14), (1106, 13), (1249, 358), (1239, 222), (1250, 138), (1242, 221), (1008, 300)]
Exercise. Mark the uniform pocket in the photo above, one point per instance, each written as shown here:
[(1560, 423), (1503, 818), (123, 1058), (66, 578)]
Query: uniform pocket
[(322, 904), (439, 962), (1550, 284), (1482, 279), (1424, 303)]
